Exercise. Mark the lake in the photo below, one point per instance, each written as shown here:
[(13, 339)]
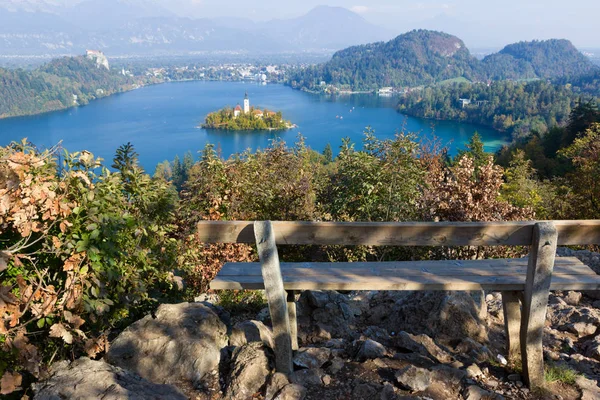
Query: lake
[(161, 121)]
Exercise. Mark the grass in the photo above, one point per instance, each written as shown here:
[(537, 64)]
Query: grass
[(560, 373), (238, 301), (460, 79)]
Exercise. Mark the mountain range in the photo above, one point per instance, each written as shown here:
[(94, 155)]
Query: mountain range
[(142, 27), (424, 57)]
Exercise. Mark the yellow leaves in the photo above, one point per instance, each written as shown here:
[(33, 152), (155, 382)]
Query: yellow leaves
[(10, 382)]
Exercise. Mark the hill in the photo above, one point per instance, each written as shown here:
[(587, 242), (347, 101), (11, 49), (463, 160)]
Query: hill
[(418, 57), (62, 83), (423, 57), (136, 27), (537, 59)]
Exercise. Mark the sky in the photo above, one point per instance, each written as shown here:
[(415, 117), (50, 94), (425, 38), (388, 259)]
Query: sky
[(480, 23)]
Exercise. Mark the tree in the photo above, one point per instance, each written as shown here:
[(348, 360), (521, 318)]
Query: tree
[(126, 159), (328, 153), (475, 151), (584, 153)]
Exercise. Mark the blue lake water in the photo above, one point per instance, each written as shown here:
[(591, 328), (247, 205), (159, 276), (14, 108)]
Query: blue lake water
[(161, 121)]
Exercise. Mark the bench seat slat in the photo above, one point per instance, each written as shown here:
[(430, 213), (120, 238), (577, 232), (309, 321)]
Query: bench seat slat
[(495, 274)]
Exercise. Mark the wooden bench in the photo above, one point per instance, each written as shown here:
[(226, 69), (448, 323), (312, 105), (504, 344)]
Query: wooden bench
[(524, 283)]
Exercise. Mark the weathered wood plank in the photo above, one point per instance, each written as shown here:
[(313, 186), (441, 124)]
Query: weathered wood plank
[(276, 295), (291, 304), (559, 282), (512, 324), (537, 286), (401, 233), (403, 268)]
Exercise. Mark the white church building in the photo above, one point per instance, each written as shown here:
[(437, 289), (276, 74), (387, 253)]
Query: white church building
[(238, 110)]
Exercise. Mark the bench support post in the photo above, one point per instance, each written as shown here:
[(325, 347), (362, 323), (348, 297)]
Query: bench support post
[(291, 304), (512, 324), (535, 301), (276, 296)]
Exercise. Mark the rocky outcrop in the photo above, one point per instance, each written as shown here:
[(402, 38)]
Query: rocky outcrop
[(323, 315), (85, 379), (251, 331), (445, 315), (249, 370), (181, 342)]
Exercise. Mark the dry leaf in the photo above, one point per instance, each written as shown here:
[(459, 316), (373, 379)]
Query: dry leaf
[(59, 331), (10, 382)]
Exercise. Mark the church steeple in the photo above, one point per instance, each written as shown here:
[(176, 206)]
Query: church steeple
[(246, 104)]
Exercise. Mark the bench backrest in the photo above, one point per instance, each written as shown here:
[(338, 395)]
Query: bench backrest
[(581, 232)]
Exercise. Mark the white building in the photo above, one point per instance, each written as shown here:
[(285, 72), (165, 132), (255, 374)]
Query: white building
[(246, 104)]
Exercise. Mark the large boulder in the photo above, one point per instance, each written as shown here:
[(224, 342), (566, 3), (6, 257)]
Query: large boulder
[(441, 315), (249, 370), (85, 379), (251, 331), (180, 342)]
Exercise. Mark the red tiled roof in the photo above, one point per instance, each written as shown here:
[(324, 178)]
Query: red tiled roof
[(257, 112), (238, 108)]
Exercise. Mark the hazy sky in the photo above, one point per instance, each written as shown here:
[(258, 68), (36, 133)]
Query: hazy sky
[(478, 22)]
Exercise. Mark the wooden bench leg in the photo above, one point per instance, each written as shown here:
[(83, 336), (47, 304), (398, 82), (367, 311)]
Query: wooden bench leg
[(276, 296), (537, 286), (512, 324), (291, 305)]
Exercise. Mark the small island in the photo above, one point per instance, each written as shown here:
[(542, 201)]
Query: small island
[(246, 119)]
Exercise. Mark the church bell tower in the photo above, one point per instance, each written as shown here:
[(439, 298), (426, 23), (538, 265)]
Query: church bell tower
[(246, 104)]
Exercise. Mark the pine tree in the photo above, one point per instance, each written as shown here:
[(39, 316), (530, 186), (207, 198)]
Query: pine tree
[(328, 153)]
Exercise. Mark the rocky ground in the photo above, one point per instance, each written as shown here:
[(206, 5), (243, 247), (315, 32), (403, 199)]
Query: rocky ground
[(358, 345)]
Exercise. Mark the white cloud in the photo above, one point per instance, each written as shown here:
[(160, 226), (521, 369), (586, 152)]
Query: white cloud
[(359, 9)]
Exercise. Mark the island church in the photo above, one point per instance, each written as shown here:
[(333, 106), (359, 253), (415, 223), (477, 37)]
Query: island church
[(238, 110)]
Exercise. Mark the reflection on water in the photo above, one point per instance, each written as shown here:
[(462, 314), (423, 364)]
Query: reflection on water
[(161, 121)]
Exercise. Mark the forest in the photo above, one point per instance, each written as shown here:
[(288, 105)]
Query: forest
[(54, 86), (425, 58), (515, 107), (87, 250)]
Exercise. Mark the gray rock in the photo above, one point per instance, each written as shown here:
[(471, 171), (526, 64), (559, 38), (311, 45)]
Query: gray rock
[(573, 298), (312, 357), (448, 375), (336, 366), (473, 371), (364, 391), (317, 298), (323, 315), (580, 328), (589, 389), (184, 341), (278, 382), (592, 348), (369, 350), (251, 331), (474, 392), (413, 378), (308, 377), (249, 369), (86, 379), (422, 344), (291, 392), (448, 315), (335, 343)]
